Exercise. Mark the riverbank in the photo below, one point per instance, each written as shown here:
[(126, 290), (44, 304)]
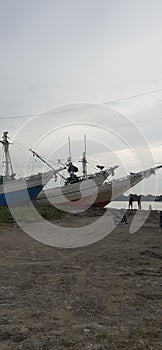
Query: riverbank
[(103, 296)]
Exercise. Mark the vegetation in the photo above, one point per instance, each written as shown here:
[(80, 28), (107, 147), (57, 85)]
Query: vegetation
[(5, 215), (49, 213), (27, 213)]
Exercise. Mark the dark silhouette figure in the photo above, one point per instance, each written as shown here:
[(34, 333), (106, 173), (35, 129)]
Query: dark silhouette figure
[(130, 201), (124, 219), (133, 198), (139, 202)]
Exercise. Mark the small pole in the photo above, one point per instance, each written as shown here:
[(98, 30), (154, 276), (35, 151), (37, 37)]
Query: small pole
[(84, 160), (69, 159)]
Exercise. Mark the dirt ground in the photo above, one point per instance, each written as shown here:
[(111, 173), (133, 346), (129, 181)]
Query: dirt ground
[(104, 296)]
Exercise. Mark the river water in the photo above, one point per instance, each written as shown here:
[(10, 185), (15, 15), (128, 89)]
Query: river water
[(144, 205)]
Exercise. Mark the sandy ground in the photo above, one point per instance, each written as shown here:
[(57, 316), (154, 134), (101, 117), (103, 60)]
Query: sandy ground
[(104, 296)]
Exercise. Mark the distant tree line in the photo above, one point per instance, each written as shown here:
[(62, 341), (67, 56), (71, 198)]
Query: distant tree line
[(149, 198)]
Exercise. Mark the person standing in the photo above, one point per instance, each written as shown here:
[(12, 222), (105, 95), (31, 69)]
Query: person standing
[(139, 202), (130, 205)]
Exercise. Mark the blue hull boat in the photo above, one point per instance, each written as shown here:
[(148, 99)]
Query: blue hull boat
[(20, 191)]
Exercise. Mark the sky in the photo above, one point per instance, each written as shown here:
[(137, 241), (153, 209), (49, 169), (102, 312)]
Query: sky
[(62, 60)]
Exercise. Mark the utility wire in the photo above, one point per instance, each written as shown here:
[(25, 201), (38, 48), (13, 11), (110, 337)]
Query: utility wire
[(116, 152), (134, 96), (129, 122), (82, 108)]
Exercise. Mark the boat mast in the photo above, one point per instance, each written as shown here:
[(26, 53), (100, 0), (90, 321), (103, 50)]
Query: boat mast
[(7, 159), (84, 159)]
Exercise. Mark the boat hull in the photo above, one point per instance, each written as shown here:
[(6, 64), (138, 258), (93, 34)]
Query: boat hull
[(89, 196), (20, 197), (71, 198), (22, 191)]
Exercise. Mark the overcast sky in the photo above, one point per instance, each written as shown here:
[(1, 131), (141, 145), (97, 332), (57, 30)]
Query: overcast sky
[(82, 51)]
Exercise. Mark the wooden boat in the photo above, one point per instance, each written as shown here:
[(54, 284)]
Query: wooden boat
[(19, 191), (80, 193)]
